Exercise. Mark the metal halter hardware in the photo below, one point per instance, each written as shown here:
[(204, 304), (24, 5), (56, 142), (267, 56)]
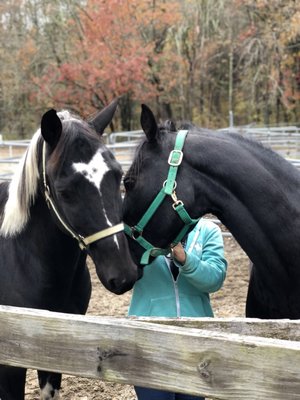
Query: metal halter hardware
[(83, 242), (169, 186)]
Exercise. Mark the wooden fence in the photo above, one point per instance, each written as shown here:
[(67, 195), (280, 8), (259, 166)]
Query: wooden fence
[(232, 359)]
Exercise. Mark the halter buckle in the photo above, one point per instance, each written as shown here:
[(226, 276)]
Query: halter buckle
[(176, 204), (174, 184), (176, 201), (135, 233), (175, 158), (81, 242)]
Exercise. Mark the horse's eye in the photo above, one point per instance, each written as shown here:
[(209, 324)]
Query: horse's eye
[(66, 195), (129, 182)]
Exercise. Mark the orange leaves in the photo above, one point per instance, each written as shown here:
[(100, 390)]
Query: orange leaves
[(112, 56), (186, 54)]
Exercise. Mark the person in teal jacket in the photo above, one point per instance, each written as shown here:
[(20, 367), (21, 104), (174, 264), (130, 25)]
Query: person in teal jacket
[(179, 286)]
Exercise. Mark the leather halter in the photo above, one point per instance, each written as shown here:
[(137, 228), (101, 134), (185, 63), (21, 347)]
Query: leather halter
[(168, 189), (83, 242)]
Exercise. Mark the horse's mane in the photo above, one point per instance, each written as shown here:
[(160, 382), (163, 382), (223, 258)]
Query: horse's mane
[(22, 189), (270, 159)]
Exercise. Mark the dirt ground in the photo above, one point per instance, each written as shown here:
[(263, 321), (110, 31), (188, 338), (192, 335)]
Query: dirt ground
[(228, 302)]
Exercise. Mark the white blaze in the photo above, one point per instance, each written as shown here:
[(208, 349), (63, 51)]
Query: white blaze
[(94, 172)]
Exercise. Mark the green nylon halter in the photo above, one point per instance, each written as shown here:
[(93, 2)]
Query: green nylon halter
[(169, 186)]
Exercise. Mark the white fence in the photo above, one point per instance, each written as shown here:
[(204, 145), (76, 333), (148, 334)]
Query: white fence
[(122, 144), (284, 140)]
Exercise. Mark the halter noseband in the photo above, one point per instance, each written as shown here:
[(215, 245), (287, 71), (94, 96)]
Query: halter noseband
[(169, 186), (83, 242)]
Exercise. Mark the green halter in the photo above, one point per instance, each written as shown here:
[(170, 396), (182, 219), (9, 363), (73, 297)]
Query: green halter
[(169, 186)]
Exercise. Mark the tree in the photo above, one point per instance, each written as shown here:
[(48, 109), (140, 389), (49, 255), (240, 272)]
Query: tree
[(33, 35), (265, 60), (196, 59), (112, 58)]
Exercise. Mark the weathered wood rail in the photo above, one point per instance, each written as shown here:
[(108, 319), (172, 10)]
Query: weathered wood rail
[(218, 358)]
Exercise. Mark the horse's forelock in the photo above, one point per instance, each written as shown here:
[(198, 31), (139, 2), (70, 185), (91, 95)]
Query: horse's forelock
[(69, 123), (73, 128), (22, 190), (65, 115)]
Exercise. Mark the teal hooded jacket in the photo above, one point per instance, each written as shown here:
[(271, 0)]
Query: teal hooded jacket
[(158, 294)]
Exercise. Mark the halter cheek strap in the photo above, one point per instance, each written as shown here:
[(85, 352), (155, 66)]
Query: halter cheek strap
[(83, 242), (168, 189)]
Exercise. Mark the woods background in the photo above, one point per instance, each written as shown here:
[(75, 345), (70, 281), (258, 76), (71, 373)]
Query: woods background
[(194, 60)]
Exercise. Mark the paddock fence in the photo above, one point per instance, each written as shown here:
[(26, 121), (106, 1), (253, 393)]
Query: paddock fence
[(284, 140), (122, 144), (218, 358)]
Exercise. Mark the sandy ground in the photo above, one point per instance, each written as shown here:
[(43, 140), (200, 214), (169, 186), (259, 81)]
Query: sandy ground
[(228, 302)]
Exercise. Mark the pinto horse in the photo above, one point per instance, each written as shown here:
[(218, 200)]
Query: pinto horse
[(252, 190), (63, 203)]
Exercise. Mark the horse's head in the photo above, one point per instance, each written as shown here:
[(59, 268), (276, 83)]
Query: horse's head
[(81, 181), (145, 179)]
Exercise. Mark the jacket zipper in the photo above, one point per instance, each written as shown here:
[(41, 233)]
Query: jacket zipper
[(178, 311), (176, 291), (177, 301)]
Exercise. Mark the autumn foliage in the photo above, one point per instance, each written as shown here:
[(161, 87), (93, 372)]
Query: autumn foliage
[(113, 54), (190, 59)]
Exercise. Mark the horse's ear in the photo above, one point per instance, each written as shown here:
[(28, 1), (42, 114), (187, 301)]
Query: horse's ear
[(51, 127), (149, 124), (104, 117)]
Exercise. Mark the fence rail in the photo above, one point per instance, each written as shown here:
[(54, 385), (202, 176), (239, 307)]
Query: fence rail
[(284, 140), (203, 357), (122, 149)]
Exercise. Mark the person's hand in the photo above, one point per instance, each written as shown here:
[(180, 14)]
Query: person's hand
[(178, 253)]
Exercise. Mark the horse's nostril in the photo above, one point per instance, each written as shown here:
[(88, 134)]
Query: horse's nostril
[(115, 284), (119, 286)]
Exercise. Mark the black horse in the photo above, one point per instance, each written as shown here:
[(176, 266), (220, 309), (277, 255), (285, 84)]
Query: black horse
[(63, 203), (251, 189)]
